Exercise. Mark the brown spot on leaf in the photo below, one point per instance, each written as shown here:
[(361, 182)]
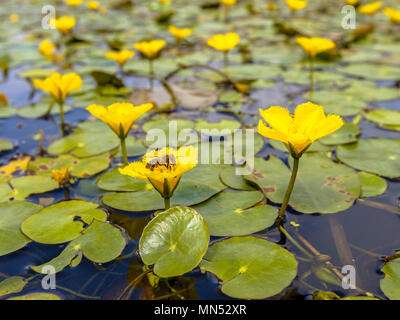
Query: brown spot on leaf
[(269, 189), (257, 175)]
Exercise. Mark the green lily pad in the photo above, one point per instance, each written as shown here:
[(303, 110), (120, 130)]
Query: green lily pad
[(372, 71), (85, 144), (324, 79), (234, 213), (6, 112), (253, 72), (371, 184), (229, 177), (11, 216), (383, 117), (390, 285), (5, 145), (36, 73), (250, 268), (61, 222), (12, 285), (23, 187), (368, 91), (348, 133), (207, 128), (37, 296), (196, 185), (101, 242), (39, 110), (78, 167), (375, 155), (174, 241), (164, 124), (321, 186), (114, 181)]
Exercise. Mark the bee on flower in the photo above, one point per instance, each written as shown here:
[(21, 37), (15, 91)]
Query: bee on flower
[(163, 169)]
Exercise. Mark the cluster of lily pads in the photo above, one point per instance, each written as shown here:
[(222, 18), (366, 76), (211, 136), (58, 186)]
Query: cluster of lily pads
[(209, 65)]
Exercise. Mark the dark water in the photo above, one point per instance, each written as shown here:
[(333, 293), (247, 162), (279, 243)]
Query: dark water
[(370, 232)]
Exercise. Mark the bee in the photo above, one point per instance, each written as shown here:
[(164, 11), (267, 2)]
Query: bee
[(166, 161)]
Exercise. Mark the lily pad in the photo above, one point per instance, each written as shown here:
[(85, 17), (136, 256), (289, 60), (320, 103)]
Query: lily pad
[(372, 71), (390, 285), (196, 185), (114, 181), (234, 213), (39, 110), (61, 222), (5, 145), (174, 241), (371, 184), (12, 285), (11, 216), (6, 112), (78, 167), (375, 155), (100, 242), (253, 72), (231, 179), (348, 133), (384, 117), (250, 268), (85, 144), (208, 128), (23, 187), (321, 186)]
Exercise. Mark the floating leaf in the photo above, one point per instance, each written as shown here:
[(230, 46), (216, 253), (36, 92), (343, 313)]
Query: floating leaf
[(250, 268), (371, 71), (375, 155), (234, 213), (6, 112), (322, 186), (85, 144), (114, 181), (384, 117), (11, 216), (100, 242), (5, 145), (390, 285), (174, 241), (253, 72), (61, 222), (371, 184), (233, 180), (12, 285), (78, 167), (27, 185), (348, 133), (222, 128), (196, 185)]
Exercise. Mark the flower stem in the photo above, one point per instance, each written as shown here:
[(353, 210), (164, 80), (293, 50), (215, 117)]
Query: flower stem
[(226, 60), (62, 124), (123, 150), (311, 75), (167, 202), (295, 243), (151, 72), (289, 190)]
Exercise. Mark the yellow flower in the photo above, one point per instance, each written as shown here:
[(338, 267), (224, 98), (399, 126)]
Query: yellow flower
[(14, 17), (47, 48), (224, 42), (228, 2), (93, 5), (271, 6), (62, 176), (73, 3), (180, 33), (119, 116), (120, 56), (3, 99), (300, 130), (163, 1), (295, 5), (150, 48), (370, 8), (314, 46), (59, 86), (163, 168), (352, 2), (65, 24), (394, 15), (103, 9)]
